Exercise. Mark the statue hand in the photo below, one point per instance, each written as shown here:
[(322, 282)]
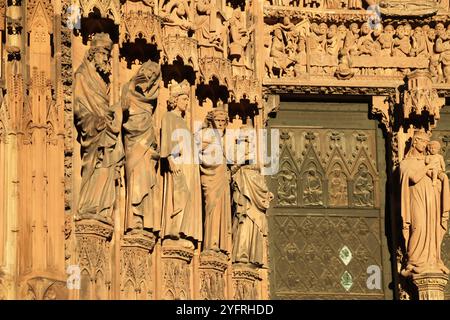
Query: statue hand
[(442, 176), (174, 167)]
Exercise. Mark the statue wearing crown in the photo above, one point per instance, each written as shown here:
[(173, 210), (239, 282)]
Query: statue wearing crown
[(98, 125), (424, 210), (182, 218)]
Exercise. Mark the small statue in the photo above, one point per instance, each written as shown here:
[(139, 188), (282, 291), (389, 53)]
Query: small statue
[(433, 149)]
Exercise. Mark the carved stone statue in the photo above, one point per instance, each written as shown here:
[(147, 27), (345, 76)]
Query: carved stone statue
[(251, 199), (138, 101), (178, 17), (364, 188), (209, 36), (98, 124), (215, 180), (312, 192), (239, 36), (424, 210), (181, 220)]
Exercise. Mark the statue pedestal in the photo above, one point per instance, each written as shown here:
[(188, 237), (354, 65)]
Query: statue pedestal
[(246, 282), (430, 286), (212, 275), (93, 256), (176, 272), (135, 266)]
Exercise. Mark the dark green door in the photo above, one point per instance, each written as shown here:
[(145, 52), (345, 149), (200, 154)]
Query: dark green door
[(326, 224)]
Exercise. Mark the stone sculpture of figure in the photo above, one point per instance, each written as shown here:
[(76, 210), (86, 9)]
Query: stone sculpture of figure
[(98, 124), (215, 180), (332, 41), (177, 16), (287, 187), (344, 70), (386, 40), (402, 44), (182, 219), (434, 156), (338, 188), (442, 46), (318, 38), (312, 192), (251, 199), (351, 40), (424, 210), (205, 28), (366, 46), (138, 102), (419, 43), (278, 55), (363, 189), (239, 37)]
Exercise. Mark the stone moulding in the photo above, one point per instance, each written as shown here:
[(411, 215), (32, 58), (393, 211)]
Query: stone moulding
[(430, 286), (144, 241), (93, 227), (213, 260), (177, 253), (243, 272)]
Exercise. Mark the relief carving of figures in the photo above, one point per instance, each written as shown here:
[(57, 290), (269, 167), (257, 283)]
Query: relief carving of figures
[(338, 188), (424, 209), (251, 198), (286, 186), (402, 42), (239, 37), (99, 126), (363, 188), (312, 189), (208, 31), (351, 40), (181, 220), (138, 103), (386, 41), (177, 18), (284, 48), (215, 180), (442, 47)]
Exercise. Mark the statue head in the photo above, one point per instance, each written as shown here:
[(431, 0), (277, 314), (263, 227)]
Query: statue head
[(389, 29), (147, 75), (420, 141), (100, 53), (218, 117), (434, 147), (365, 29), (332, 31), (354, 28), (179, 95), (400, 32)]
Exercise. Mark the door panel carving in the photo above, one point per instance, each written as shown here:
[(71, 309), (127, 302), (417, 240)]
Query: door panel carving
[(327, 219)]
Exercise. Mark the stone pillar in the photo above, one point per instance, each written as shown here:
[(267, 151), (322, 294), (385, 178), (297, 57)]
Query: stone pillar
[(136, 282), (213, 266), (93, 257), (245, 282), (176, 273), (430, 286)]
